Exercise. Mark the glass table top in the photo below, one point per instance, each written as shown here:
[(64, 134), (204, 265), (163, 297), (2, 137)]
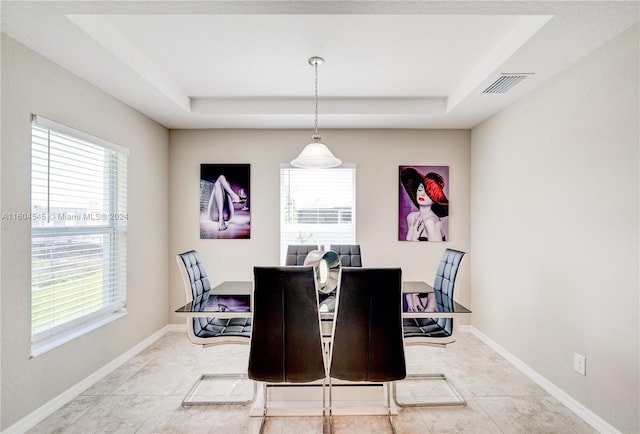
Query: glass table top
[(233, 299)]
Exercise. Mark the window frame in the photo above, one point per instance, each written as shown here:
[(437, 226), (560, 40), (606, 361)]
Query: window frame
[(345, 215), (109, 227)]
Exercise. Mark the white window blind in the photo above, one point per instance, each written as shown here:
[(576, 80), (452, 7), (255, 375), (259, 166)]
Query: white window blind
[(317, 206), (78, 233)]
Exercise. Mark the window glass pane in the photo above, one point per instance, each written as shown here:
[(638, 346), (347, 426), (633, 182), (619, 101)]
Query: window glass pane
[(317, 207), (78, 233), (68, 277)]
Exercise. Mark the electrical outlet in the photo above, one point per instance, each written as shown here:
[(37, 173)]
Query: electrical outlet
[(580, 364)]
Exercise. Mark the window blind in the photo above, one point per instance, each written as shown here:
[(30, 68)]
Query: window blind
[(78, 232), (317, 206)]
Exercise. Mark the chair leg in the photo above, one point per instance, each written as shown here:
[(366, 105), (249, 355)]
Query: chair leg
[(187, 401), (264, 407), (393, 426), (458, 401), (388, 384), (330, 407), (324, 409)]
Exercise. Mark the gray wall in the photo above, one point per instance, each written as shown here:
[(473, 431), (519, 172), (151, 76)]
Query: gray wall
[(31, 84), (376, 154), (554, 229)]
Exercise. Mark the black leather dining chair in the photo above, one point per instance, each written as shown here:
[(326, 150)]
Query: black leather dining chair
[(208, 331), (438, 332), (350, 255), (367, 340), (297, 253), (286, 342)]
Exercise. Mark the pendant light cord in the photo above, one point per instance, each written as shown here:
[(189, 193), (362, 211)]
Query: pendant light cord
[(315, 131), (316, 155)]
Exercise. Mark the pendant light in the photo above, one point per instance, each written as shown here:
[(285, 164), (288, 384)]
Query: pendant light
[(316, 155)]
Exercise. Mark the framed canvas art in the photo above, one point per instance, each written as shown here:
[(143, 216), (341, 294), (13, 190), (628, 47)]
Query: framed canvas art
[(424, 203), (224, 201)]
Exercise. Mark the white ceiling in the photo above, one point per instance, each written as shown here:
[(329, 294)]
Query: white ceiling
[(243, 64)]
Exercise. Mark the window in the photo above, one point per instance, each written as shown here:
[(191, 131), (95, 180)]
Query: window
[(78, 233), (317, 206)]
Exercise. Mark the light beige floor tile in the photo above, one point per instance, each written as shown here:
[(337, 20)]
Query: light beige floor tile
[(525, 414), (232, 419), (116, 414), (344, 424), (113, 381), (372, 424), (493, 381), (409, 421), (302, 425), (61, 420), (468, 339), (468, 419), (171, 417), (167, 345), (274, 425), (471, 355), (222, 388), (144, 395), (423, 390), (160, 380), (569, 417)]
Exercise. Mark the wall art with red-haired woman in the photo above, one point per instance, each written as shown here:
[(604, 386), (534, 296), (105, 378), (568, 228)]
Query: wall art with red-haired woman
[(424, 203)]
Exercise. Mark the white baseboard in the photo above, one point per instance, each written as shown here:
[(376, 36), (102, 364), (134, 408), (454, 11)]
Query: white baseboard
[(37, 416), (571, 403), (176, 328)]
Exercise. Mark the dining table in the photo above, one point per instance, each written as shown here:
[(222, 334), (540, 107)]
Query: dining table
[(229, 299)]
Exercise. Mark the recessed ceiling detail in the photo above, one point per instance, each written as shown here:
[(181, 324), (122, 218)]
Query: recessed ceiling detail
[(390, 64)]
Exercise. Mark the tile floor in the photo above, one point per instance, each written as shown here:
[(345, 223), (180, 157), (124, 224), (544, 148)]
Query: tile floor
[(145, 394)]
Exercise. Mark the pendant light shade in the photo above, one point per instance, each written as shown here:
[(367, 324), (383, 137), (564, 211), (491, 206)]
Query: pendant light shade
[(316, 155)]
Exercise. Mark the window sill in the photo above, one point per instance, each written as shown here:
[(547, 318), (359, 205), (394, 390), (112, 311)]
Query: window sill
[(37, 349)]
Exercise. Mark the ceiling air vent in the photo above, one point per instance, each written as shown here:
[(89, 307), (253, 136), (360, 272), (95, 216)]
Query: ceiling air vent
[(505, 82)]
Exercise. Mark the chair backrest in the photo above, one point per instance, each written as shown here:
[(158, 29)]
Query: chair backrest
[(197, 288), (194, 276), (207, 330), (349, 254), (444, 285), (296, 254), (286, 343), (367, 335)]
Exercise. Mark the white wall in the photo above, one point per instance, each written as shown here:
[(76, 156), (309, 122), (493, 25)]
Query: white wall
[(31, 84), (555, 230), (376, 154)]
